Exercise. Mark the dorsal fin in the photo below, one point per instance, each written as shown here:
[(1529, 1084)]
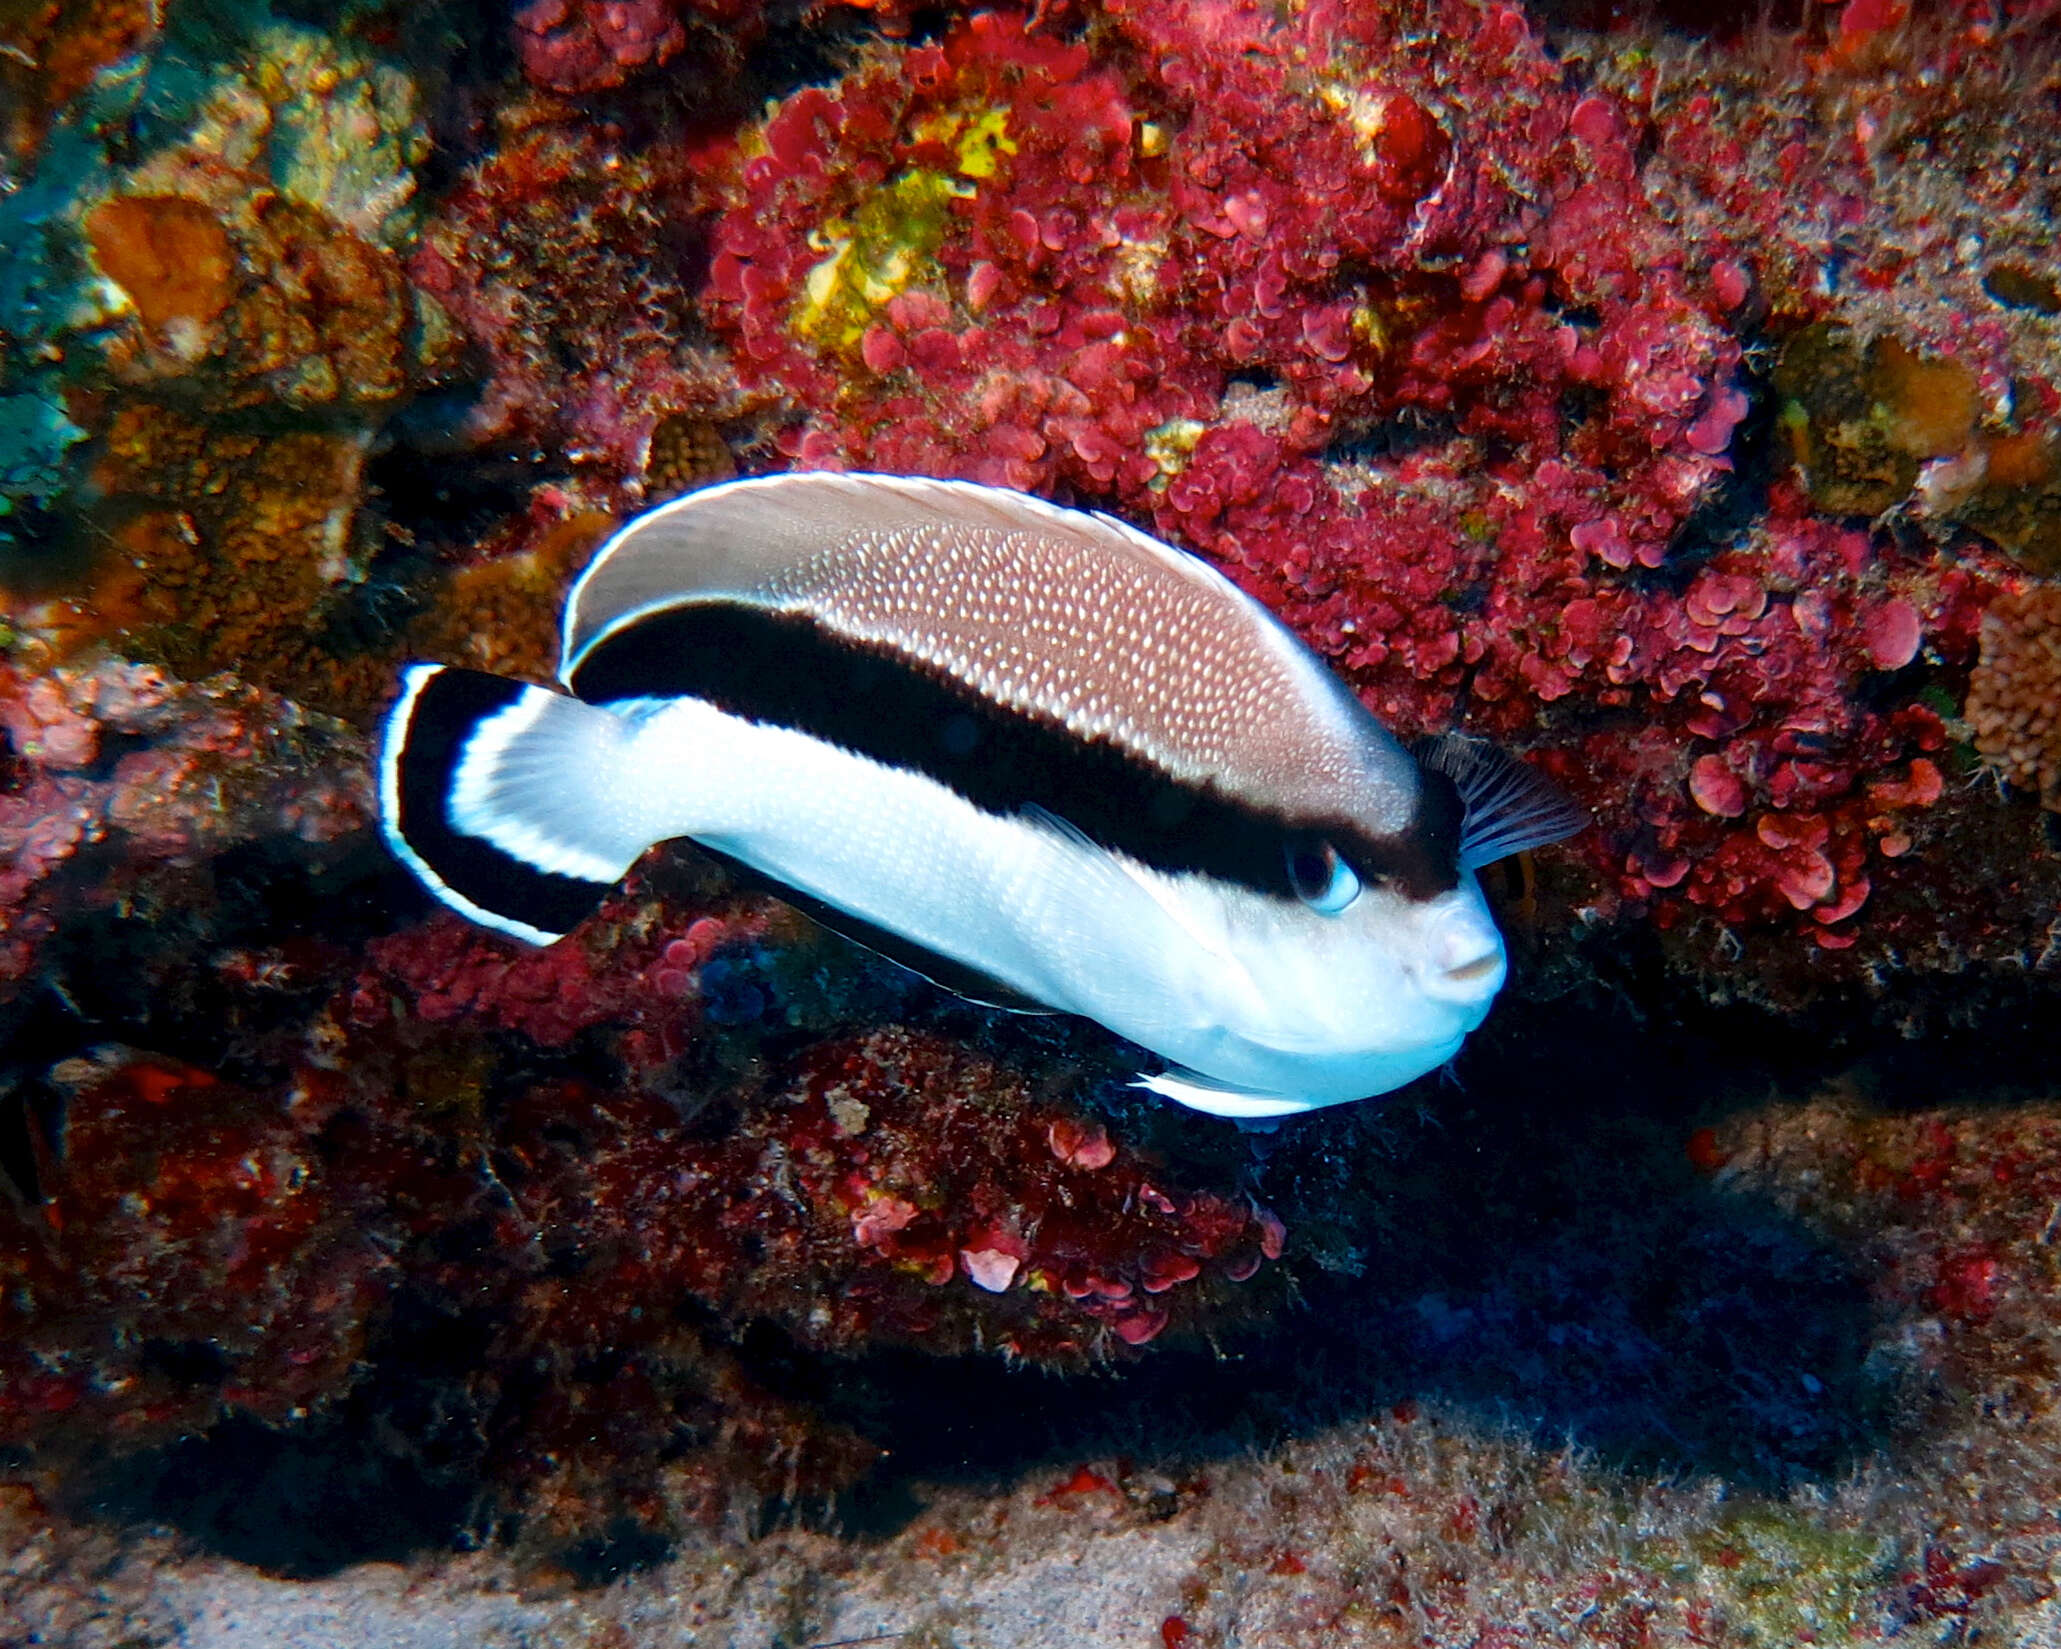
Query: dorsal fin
[(1508, 807), (1052, 613)]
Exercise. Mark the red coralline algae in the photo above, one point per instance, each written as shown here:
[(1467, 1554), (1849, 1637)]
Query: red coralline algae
[(118, 774), (898, 1188), (651, 975), (580, 46), (1490, 409), (196, 1248), (585, 45), (449, 969), (202, 1248), (1753, 677), (1058, 287)]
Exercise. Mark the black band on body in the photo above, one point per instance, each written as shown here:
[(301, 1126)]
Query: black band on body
[(448, 708), (790, 671)]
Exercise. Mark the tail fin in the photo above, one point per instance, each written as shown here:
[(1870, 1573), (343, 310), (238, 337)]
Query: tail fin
[(499, 797)]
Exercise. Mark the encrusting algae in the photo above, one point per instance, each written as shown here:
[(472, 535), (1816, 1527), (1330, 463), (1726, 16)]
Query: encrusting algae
[(1682, 410)]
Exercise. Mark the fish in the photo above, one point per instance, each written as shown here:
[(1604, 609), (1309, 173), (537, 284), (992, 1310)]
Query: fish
[(1032, 752)]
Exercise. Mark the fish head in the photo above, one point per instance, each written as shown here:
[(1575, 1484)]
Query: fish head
[(1363, 964), (1385, 955), (1362, 990)]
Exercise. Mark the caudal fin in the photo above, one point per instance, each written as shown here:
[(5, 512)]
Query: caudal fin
[(505, 799)]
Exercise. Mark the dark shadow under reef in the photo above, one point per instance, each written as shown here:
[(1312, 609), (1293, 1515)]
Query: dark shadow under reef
[(1529, 1247)]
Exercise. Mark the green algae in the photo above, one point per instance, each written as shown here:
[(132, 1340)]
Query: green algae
[(1780, 1575), (981, 141), (36, 438)]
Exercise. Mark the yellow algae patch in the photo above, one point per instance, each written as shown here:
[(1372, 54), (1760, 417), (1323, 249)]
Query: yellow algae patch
[(1171, 445), (983, 140), (889, 241), (884, 247), (977, 141)]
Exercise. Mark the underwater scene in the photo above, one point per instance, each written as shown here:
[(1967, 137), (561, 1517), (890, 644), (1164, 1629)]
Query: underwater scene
[(1163, 823)]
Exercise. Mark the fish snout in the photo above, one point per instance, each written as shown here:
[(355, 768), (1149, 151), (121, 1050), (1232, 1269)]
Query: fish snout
[(1463, 957)]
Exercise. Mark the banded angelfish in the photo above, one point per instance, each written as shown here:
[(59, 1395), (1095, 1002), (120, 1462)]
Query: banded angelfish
[(1037, 755)]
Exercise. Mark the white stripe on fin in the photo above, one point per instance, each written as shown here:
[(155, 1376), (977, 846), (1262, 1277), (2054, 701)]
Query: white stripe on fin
[(546, 781), (413, 680)]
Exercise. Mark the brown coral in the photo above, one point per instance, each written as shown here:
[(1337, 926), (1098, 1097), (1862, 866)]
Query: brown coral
[(1862, 420), (51, 52), (231, 542), (171, 255), (500, 612), (331, 319), (686, 452), (276, 302), (2014, 699)]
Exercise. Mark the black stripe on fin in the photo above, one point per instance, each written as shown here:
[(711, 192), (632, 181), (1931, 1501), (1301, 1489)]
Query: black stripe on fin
[(787, 670), (1509, 807), (427, 734)]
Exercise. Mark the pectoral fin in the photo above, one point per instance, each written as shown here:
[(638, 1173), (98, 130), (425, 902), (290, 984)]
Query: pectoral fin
[(1199, 1093)]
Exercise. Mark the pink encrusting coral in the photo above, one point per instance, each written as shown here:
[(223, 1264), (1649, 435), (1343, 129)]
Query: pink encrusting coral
[(1384, 322), (585, 45), (897, 1188), (120, 776)]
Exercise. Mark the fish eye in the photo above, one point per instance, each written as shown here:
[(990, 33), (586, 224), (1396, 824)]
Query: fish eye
[(1321, 877)]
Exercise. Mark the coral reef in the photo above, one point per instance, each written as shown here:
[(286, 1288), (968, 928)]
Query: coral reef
[(581, 46), (893, 1187), (1459, 403), (122, 783), (546, 255), (213, 311), (192, 1248), (1681, 412), (51, 53), (1417, 1517), (2014, 697), (899, 1189), (185, 1248)]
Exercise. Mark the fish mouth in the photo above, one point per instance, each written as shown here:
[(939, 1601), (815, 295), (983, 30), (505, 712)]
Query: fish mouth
[(1483, 967), (1467, 984)]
